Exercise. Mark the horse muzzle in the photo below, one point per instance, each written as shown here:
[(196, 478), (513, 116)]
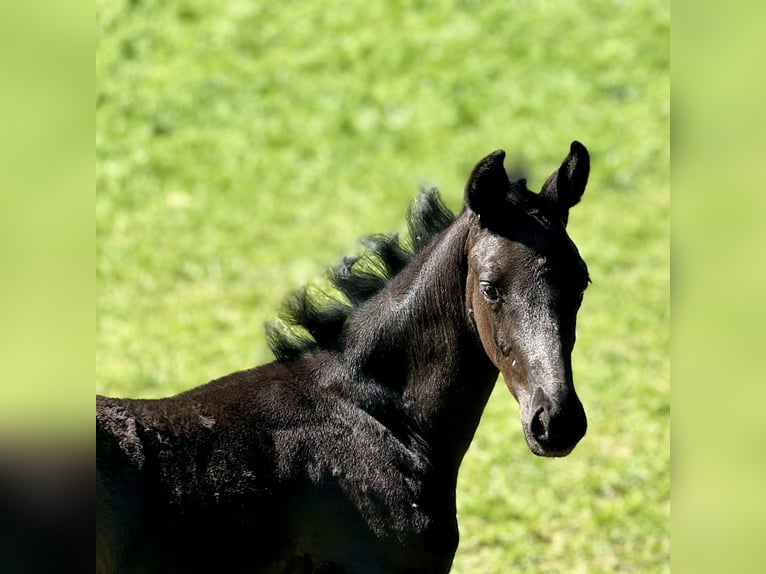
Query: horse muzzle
[(553, 428)]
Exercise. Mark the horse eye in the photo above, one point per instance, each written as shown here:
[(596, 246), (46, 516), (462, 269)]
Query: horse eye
[(489, 291)]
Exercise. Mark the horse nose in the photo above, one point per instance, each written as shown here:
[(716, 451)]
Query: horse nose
[(557, 426), (539, 424)]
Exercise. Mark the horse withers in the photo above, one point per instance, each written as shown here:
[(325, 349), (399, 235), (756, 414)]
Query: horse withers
[(342, 455)]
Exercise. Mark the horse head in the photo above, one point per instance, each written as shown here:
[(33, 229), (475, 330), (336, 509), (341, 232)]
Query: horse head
[(524, 286)]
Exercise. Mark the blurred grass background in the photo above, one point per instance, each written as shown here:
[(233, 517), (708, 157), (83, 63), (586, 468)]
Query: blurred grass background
[(244, 147)]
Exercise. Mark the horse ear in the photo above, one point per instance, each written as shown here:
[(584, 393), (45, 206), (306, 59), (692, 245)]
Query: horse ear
[(566, 185), (487, 185)]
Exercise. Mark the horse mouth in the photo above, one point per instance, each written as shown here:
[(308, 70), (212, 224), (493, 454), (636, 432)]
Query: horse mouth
[(546, 451)]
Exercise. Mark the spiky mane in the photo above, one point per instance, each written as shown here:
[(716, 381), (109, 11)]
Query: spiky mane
[(314, 318)]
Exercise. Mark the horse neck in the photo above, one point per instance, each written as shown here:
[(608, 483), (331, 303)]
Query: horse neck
[(416, 339)]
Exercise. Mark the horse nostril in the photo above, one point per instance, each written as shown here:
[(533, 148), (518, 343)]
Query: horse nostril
[(539, 424)]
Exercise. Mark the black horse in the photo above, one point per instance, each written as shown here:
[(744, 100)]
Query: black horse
[(343, 454)]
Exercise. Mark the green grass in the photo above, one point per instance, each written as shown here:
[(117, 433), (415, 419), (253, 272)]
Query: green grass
[(244, 147)]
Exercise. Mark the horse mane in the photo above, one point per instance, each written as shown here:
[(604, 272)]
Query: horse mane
[(314, 318)]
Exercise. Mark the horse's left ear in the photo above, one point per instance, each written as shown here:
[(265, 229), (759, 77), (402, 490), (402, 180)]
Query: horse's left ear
[(566, 185)]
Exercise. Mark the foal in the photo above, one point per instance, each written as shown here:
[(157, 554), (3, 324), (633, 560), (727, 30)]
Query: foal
[(343, 454)]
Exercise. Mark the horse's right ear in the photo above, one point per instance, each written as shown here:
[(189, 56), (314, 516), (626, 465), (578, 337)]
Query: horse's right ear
[(487, 185)]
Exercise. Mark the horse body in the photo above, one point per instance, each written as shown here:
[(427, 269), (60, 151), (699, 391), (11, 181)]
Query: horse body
[(343, 457), (344, 444)]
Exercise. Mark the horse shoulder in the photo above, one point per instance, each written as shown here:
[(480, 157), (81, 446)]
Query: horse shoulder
[(387, 498)]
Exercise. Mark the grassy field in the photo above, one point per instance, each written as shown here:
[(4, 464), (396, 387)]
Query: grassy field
[(244, 147)]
